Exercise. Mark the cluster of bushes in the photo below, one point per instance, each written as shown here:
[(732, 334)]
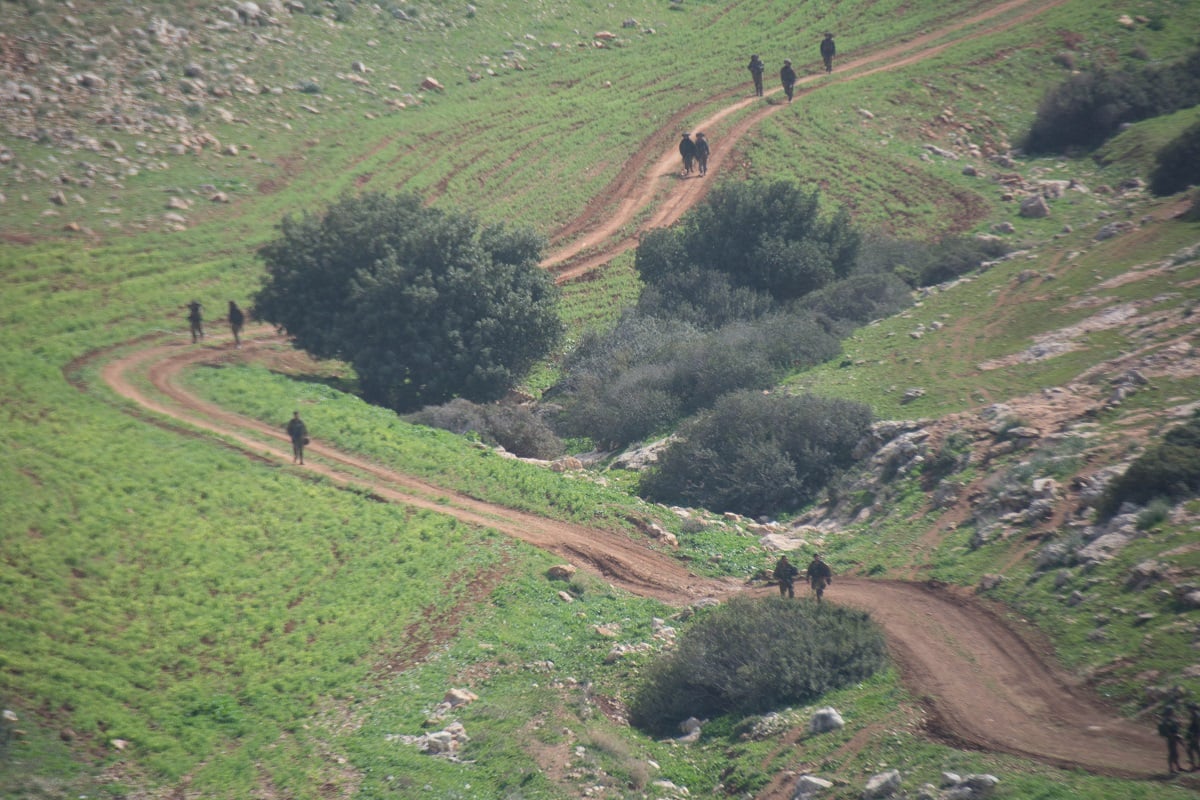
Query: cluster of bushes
[(516, 428), (757, 453), (753, 283), (1090, 107), (750, 655), (1169, 470), (766, 237), (648, 372)]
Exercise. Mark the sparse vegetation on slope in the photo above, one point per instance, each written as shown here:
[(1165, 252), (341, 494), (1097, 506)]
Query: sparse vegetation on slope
[(180, 617)]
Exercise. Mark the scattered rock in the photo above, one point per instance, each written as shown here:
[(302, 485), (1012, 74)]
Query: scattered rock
[(808, 786), (881, 786), (561, 572), (825, 720), (1034, 207)]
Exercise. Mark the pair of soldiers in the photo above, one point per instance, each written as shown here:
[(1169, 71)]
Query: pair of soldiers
[(237, 320), (694, 152), (1169, 728), (819, 576)]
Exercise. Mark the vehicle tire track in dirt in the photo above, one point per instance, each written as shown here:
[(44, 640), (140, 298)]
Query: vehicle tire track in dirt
[(981, 682), (637, 186)]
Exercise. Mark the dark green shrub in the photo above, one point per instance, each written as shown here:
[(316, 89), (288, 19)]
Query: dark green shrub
[(860, 299), (631, 406), (1169, 470), (1090, 107), (757, 453), (751, 655), (768, 237), (647, 373), (956, 256), (1177, 164), (703, 298)]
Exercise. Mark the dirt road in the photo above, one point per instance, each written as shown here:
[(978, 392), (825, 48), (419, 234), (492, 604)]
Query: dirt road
[(982, 680), (983, 684)]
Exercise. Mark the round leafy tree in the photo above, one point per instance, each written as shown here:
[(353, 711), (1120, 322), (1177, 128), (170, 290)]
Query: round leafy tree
[(750, 655), (426, 304)]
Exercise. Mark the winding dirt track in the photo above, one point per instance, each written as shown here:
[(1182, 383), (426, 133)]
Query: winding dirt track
[(983, 682)]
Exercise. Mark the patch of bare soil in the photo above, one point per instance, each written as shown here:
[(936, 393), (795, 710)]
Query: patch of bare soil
[(985, 681)]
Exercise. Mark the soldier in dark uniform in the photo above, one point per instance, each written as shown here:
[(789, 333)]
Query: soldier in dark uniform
[(828, 51), (702, 153), (819, 575), (237, 320), (786, 572), (1168, 728), (687, 150), (1193, 736), (757, 68), (196, 320), (787, 76), (298, 432)]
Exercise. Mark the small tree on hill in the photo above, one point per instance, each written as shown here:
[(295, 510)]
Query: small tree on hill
[(425, 304)]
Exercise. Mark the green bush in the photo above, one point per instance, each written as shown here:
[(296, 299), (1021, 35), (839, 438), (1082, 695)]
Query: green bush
[(647, 373), (703, 298), (767, 237), (1177, 164), (757, 453), (751, 655), (1090, 107), (860, 299), (634, 404), (957, 256), (1170, 470)]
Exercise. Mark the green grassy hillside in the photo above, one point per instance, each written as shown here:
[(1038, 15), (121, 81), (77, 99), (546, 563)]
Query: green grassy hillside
[(179, 619)]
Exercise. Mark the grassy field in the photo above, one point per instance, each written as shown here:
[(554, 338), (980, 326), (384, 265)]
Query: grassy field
[(178, 618)]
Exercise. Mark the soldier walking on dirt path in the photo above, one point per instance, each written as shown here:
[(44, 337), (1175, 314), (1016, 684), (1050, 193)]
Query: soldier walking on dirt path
[(787, 76), (819, 575), (298, 432), (1168, 728), (828, 51), (785, 572), (687, 150), (196, 320), (1193, 736), (757, 68), (702, 154), (237, 320)]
